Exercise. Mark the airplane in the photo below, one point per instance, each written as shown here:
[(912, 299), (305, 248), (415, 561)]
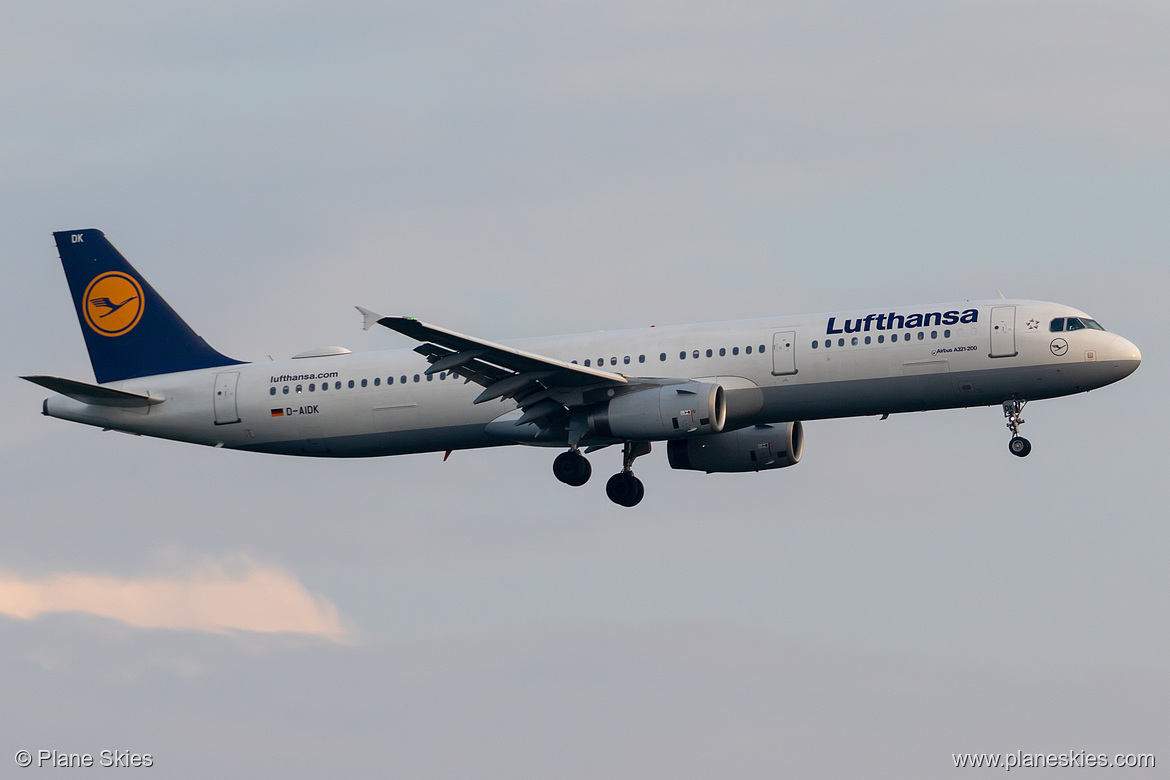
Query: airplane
[(721, 397)]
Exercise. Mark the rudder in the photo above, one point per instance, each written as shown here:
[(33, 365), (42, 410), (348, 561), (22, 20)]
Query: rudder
[(130, 331)]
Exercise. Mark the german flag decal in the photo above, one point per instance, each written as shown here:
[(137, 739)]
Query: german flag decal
[(278, 412)]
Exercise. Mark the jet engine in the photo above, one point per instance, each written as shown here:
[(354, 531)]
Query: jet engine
[(756, 448), (661, 413)]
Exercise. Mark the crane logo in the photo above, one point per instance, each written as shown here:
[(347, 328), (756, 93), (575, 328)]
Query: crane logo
[(113, 304)]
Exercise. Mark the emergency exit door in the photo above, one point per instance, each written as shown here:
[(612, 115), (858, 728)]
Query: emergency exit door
[(784, 353)]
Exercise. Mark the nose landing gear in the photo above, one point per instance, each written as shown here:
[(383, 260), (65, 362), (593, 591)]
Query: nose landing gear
[(1018, 446)]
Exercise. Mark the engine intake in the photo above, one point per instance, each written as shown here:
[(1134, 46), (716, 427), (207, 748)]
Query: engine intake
[(747, 449), (673, 411)]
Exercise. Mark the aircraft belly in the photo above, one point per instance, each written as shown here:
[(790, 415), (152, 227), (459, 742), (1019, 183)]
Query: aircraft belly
[(926, 391), (376, 444)]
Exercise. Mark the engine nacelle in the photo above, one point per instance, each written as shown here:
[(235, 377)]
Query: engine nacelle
[(693, 408), (747, 449)]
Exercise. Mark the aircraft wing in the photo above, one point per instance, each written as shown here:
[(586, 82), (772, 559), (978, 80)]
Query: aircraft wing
[(544, 387)]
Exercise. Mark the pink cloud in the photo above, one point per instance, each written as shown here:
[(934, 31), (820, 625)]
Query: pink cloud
[(262, 599)]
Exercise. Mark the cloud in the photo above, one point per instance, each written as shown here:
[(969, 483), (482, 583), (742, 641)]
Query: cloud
[(262, 599)]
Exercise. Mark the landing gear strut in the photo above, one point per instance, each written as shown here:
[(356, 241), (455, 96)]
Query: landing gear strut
[(572, 468), (1018, 446), (624, 488)]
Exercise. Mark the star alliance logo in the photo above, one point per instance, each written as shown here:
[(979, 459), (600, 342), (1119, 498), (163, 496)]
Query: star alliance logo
[(1033, 324)]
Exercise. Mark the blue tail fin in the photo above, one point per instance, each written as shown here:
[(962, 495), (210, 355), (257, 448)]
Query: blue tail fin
[(129, 329)]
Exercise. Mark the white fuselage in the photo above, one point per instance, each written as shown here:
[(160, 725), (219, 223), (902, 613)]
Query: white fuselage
[(774, 370)]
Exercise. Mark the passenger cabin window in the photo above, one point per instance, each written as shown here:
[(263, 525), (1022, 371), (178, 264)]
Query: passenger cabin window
[(748, 350), (662, 357)]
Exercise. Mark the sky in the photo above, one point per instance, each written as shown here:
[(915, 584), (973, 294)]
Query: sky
[(907, 592)]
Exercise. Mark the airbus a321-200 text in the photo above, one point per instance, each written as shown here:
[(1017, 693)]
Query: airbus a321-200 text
[(722, 397)]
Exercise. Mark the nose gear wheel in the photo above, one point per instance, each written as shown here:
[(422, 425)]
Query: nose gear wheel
[(1018, 446)]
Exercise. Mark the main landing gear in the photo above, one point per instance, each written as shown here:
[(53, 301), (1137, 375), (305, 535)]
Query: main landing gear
[(1018, 446), (572, 468), (622, 488)]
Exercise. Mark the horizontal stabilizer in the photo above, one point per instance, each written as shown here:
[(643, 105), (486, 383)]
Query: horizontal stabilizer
[(94, 395)]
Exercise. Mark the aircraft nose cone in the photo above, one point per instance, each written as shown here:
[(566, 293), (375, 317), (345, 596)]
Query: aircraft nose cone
[(1125, 355), (1126, 350)]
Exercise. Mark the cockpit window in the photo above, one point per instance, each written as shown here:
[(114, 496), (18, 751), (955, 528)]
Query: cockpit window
[(1073, 323)]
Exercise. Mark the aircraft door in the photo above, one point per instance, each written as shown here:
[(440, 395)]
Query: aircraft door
[(784, 353), (225, 398), (1003, 331)]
